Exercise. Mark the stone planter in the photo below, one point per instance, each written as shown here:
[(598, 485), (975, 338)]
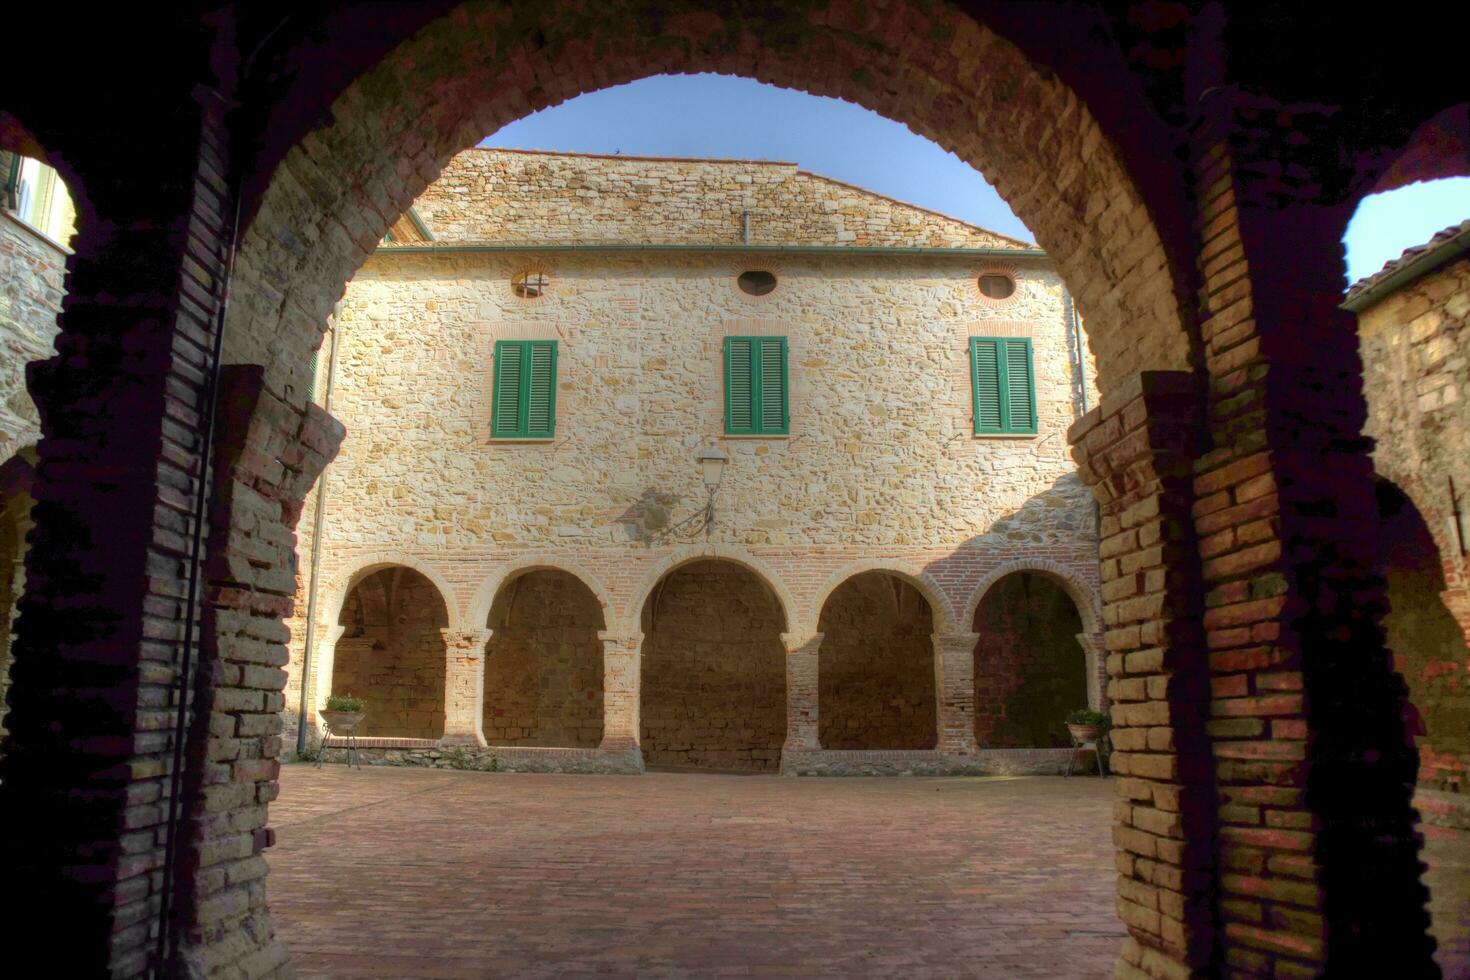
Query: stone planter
[(1085, 733), (342, 722)]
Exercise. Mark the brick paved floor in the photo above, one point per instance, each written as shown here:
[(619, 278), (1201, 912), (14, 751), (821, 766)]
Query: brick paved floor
[(423, 873)]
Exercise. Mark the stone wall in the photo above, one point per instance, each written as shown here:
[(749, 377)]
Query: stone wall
[(490, 195), (1417, 379), (714, 671), (875, 678), (543, 665), (32, 268), (392, 654), (1030, 671)]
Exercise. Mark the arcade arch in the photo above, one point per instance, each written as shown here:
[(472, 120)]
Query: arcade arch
[(713, 670), (543, 663), (392, 653), (876, 680)]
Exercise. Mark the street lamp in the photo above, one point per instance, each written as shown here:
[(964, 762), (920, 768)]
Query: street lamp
[(712, 462)]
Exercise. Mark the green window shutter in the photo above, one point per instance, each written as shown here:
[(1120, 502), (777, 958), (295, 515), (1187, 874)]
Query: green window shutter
[(985, 374), (1004, 386), (311, 368), (523, 402), (773, 385), (1020, 389), (756, 400), (739, 385), (541, 390)]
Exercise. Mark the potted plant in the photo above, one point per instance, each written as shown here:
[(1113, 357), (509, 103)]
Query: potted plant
[(343, 713), (1086, 725)]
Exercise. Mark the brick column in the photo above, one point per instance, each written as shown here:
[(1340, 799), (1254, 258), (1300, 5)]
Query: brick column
[(464, 686), (954, 687), (1136, 450), (802, 657), (1096, 654), (1319, 855), (622, 661)]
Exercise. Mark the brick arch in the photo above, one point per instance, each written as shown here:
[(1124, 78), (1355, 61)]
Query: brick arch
[(480, 604), (933, 593), (765, 574), (1084, 597), (336, 591), (939, 71)]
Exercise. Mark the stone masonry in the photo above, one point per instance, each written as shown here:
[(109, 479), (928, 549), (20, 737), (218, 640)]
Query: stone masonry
[(880, 473)]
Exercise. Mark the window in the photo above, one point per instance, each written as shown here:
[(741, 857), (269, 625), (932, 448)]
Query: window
[(755, 386), (996, 285), (530, 285), (524, 397), (1003, 388), (756, 282)]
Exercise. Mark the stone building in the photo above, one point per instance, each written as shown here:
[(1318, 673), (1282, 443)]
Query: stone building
[(1189, 169), (1414, 327), (898, 569)]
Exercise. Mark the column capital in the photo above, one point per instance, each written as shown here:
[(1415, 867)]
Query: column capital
[(952, 641), (1092, 643), (801, 639), (466, 641), (631, 640)]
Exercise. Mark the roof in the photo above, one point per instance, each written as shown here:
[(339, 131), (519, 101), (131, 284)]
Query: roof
[(1413, 263), (490, 197)]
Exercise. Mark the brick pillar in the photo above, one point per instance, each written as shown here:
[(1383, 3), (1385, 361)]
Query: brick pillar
[(464, 686), (1096, 655), (1318, 848), (622, 661), (954, 686), (802, 657), (1136, 451), (85, 782)]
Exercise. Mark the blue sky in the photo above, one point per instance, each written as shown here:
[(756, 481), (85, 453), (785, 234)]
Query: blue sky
[(721, 116)]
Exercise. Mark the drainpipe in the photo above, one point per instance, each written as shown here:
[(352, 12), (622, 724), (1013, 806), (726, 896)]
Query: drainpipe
[(1074, 333), (316, 545)]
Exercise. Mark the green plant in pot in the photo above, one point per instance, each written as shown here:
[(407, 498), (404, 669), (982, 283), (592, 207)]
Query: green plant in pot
[(1086, 725), (343, 713)]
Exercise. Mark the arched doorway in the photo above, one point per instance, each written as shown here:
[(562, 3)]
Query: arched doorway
[(392, 653), (1030, 670), (543, 665), (714, 670), (875, 674)]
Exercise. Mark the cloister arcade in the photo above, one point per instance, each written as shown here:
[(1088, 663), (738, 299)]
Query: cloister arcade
[(1190, 172)]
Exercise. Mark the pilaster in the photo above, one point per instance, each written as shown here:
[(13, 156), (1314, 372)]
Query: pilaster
[(802, 658), (622, 662), (464, 686), (954, 686), (1137, 450)]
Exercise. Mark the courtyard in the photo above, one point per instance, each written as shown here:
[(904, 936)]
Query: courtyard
[(425, 873)]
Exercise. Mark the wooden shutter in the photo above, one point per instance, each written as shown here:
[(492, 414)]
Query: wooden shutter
[(505, 412), (739, 385), (524, 402), (1020, 390), (773, 384), (985, 375), (540, 373)]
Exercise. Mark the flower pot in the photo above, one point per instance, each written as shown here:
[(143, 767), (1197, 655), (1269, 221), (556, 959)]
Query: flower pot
[(342, 722), (1085, 733)]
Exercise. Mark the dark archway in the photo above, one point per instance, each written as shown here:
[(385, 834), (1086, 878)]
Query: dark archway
[(392, 653), (875, 676), (714, 670), (1030, 671), (543, 665)]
